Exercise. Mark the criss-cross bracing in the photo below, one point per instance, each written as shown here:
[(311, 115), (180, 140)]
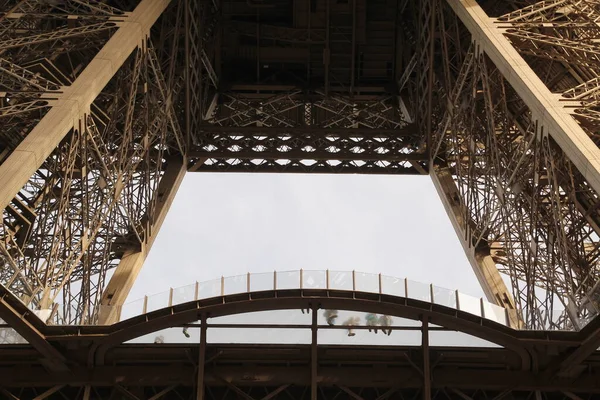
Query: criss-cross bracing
[(105, 105)]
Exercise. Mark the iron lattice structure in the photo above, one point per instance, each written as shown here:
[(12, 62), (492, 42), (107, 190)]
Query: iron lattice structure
[(185, 351), (105, 105)]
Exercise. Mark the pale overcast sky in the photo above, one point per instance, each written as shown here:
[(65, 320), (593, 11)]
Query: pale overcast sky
[(229, 224)]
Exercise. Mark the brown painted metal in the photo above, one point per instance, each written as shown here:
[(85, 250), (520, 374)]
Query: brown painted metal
[(253, 369), (498, 101)]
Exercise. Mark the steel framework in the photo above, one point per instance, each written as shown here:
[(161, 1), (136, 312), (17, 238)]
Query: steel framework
[(92, 362), (104, 105)]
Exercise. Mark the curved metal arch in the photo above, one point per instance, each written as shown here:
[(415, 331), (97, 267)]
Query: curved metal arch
[(401, 307)]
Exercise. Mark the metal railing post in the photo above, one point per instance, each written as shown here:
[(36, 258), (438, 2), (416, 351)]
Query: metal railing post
[(482, 307), (457, 300), (431, 293)]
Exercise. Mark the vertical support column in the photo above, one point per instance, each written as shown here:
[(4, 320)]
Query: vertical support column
[(313, 355), (426, 360), (327, 50), (188, 89), (201, 359)]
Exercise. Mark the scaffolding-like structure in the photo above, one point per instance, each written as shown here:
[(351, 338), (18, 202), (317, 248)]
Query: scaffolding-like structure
[(105, 105)]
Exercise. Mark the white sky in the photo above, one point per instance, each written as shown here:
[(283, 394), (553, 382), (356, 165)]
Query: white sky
[(229, 224)]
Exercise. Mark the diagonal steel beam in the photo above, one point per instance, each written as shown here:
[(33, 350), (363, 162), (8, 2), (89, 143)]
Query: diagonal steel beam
[(76, 99), (126, 393), (483, 265), (21, 319), (162, 392), (571, 364), (8, 394), (49, 392), (351, 393), (275, 392), (131, 263), (551, 114), (234, 388)]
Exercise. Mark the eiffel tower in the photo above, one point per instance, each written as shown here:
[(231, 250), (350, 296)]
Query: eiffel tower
[(105, 106)]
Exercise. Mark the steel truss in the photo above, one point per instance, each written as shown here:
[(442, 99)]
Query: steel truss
[(105, 105), (522, 195), (92, 361), (90, 199), (153, 371), (298, 131)]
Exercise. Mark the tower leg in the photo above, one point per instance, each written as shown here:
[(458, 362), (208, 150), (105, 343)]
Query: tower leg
[(132, 261)]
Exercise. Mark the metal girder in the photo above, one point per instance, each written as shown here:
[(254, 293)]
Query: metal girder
[(307, 149), (131, 263), (426, 358), (571, 363), (19, 317), (104, 174), (500, 130), (466, 378), (406, 131), (481, 261), (248, 370), (525, 207), (201, 374), (314, 355), (110, 336), (546, 108), (74, 103)]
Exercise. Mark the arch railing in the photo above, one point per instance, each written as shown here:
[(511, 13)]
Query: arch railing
[(331, 280), (350, 281)]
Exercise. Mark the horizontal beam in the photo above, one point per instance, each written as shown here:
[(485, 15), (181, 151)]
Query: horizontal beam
[(75, 100), (546, 107), (322, 167), (306, 155), (176, 374), (260, 90), (409, 130)]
